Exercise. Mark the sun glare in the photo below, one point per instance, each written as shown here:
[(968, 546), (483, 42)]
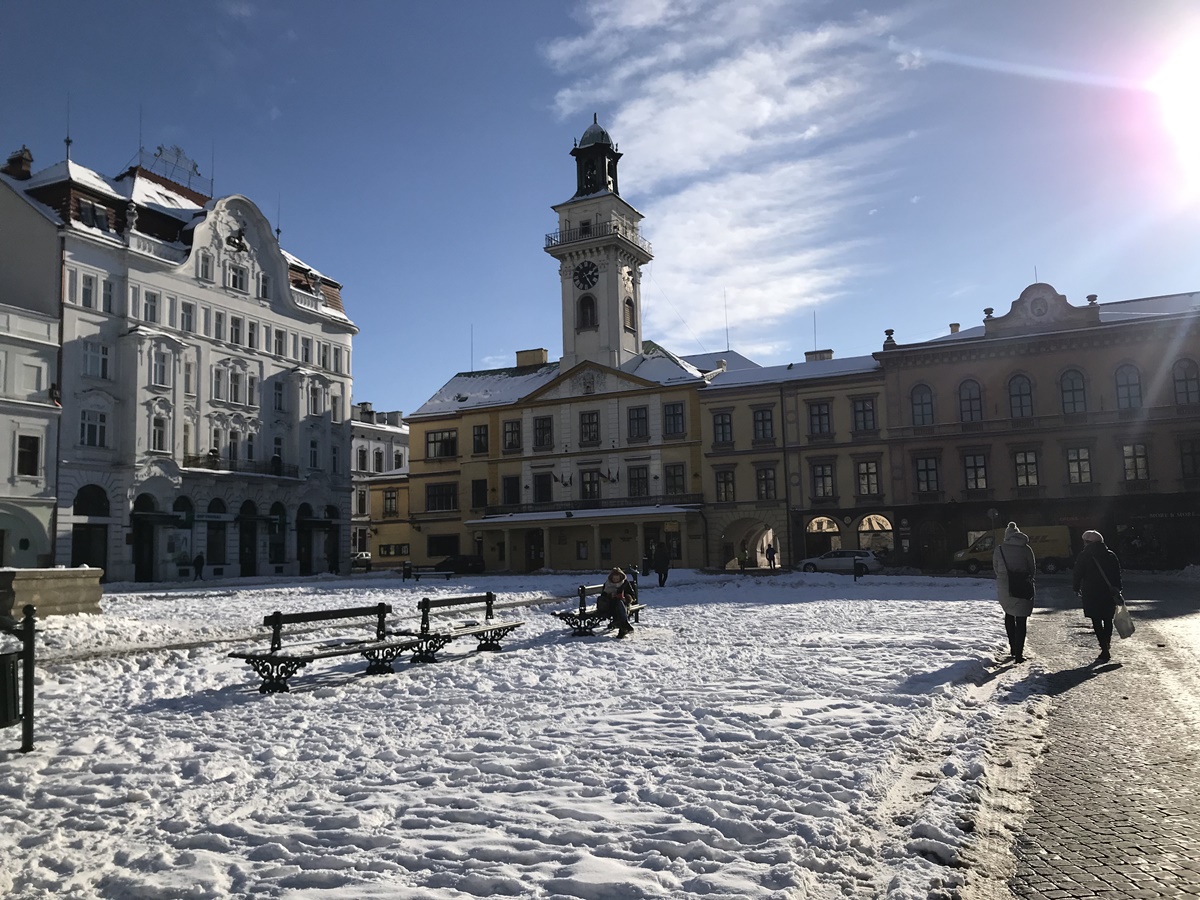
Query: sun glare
[(1177, 85)]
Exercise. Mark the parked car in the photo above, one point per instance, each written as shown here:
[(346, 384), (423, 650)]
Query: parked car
[(361, 560), (460, 565), (842, 561)]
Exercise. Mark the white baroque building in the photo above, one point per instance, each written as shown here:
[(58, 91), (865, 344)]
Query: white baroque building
[(204, 373)]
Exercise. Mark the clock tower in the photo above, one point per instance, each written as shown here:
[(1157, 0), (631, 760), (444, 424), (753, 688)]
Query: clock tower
[(600, 253)]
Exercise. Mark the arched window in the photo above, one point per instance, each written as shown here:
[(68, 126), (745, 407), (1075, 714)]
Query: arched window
[(362, 459), (587, 312), (922, 405), (1129, 387), (970, 402), (378, 461), (91, 501), (630, 319), (1074, 397), (1020, 397), (1187, 383)]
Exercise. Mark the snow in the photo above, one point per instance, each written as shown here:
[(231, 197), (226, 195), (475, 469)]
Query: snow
[(786, 736)]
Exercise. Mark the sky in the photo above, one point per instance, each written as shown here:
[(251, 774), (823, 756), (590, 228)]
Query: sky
[(837, 754), (811, 172)]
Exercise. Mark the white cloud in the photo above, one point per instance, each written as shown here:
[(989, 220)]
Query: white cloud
[(744, 132)]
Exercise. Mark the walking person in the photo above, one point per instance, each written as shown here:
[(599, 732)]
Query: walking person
[(1015, 567), (198, 565), (662, 562), (770, 556), (1097, 580)]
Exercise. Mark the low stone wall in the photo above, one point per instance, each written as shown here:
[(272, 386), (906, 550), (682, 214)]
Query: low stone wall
[(55, 592)]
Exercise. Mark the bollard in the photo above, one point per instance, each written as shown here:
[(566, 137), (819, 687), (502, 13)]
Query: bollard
[(8, 685)]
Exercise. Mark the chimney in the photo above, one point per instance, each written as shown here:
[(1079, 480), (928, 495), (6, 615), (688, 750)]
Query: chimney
[(954, 326), (817, 355), (536, 357), (1092, 298), (19, 165)]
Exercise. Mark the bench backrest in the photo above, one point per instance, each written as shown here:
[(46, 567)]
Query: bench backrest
[(428, 603), (276, 620)]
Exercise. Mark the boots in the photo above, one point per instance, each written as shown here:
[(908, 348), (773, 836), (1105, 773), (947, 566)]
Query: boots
[(1104, 654)]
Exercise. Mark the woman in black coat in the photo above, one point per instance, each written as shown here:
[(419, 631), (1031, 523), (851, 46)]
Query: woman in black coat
[(1094, 564)]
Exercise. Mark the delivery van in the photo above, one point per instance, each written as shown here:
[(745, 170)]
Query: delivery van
[(1051, 545)]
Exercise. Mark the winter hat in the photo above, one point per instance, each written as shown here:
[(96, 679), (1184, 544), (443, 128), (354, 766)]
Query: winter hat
[(1010, 530), (1093, 536)]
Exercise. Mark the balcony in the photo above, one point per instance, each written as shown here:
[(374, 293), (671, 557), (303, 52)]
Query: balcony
[(601, 503), (601, 229), (241, 466)]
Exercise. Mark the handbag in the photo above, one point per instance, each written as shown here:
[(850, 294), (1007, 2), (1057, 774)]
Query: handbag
[(1122, 621), (1020, 584)]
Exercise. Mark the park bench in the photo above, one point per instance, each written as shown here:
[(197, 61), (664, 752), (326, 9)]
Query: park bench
[(407, 571), (586, 619), (489, 633), (276, 665)]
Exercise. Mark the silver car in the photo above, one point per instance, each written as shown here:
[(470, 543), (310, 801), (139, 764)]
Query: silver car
[(842, 561)]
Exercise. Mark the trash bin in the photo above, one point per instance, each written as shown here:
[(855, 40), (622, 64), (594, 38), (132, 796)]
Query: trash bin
[(10, 704), (860, 570), (406, 570)]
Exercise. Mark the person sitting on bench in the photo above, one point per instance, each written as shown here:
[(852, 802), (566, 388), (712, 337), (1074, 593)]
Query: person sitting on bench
[(617, 594)]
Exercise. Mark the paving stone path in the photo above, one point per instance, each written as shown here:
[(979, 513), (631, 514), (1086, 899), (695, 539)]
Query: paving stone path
[(1115, 798)]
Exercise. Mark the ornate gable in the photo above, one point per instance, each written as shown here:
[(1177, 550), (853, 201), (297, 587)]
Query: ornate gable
[(1040, 308)]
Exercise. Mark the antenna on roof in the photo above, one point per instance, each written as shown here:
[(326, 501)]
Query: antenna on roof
[(1035, 274), (67, 141), (471, 367), (212, 168), (278, 214)]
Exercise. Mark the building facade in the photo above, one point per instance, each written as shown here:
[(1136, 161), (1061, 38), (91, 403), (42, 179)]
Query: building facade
[(204, 375), (379, 463)]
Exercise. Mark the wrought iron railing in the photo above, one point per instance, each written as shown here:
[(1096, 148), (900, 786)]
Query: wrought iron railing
[(600, 229), (599, 503), (242, 466)]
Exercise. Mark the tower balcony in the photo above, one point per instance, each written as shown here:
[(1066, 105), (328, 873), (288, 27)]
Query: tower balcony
[(598, 230)]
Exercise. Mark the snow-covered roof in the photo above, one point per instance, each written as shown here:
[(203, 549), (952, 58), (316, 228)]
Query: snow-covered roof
[(821, 368), (707, 362), (658, 364), (1163, 305), (68, 170), (494, 387)]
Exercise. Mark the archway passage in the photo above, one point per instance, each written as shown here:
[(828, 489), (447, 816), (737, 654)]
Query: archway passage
[(143, 532), (875, 533), (744, 544), (89, 540), (304, 536), (821, 535), (247, 522)]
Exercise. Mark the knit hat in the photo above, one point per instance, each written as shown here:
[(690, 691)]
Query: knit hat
[(1091, 536), (1010, 530)]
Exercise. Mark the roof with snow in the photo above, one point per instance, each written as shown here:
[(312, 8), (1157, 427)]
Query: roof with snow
[(821, 368)]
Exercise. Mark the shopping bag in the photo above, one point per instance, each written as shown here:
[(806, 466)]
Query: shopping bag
[(1122, 621)]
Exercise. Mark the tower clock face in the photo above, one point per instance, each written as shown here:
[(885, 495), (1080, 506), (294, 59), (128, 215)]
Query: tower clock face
[(586, 275)]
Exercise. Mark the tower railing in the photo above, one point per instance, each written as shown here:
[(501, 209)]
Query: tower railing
[(600, 229)]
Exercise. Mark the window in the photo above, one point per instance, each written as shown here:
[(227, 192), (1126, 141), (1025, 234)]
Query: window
[(543, 487), (235, 387), (722, 428), (543, 433), (315, 407), (377, 458), (820, 418), (868, 478), (218, 384), (1189, 459), (639, 423), (252, 391), (864, 414), (158, 433), (510, 490), (512, 434), (1137, 462), (277, 449), (479, 491), (264, 286), (927, 474), (1020, 397), (764, 425), (822, 481), (975, 469), (158, 368), (398, 459), (206, 266), (87, 292), (252, 335), (441, 444), (95, 359), (1079, 465), (1129, 388), (587, 313), (589, 484), (238, 278), (970, 402), (725, 486), (1187, 383), (638, 478), (189, 378), (93, 428), (441, 497), (219, 326), (314, 455), (106, 292), (279, 404), (280, 342), (630, 315), (390, 506), (674, 476), (150, 306), (305, 349), (581, 549), (93, 215), (673, 424), (187, 317), (589, 427), (29, 453), (764, 484), (323, 355), (235, 330), (362, 459), (1027, 468), (479, 439), (250, 452), (922, 405), (360, 502), (1074, 396)]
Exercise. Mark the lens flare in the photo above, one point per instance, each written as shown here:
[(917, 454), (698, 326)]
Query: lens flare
[(1177, 85)]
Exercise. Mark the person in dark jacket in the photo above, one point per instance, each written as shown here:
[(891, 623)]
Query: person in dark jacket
[(613, 600), (1097, 579), (198, 565), (662, 562), (1013, 557)]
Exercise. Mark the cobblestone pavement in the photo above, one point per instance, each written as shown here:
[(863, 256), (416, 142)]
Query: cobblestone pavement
[(1115, 797)]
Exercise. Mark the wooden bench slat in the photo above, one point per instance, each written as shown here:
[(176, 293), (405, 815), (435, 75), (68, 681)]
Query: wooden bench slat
[(325, 615)]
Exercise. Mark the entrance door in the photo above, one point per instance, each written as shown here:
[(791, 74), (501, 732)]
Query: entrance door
[(535, 551), (248, 547), (89, 546), (304, 550), (143, 550)]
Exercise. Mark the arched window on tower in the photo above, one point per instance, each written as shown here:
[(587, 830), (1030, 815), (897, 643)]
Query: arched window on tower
[(630, 318), (587, 313)]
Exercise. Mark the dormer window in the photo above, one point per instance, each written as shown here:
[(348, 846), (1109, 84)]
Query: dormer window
[(93, 215), (264, 286), (205, 264), (238, 278)]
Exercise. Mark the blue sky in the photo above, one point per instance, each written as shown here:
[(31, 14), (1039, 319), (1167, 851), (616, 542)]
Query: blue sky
[(811, 172)]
